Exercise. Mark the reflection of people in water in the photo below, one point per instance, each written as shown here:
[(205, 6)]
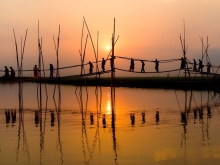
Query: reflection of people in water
[(209, 111), (10, 114), (201, 113), (143, 117), (91, 119), (195, 115), (132, 117), (183, 117), (7, 116), (52, 118), (36, 119), (104, 121), (13, 116), (157, 116)]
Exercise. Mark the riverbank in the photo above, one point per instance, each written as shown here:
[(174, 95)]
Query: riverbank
[(194, 83)]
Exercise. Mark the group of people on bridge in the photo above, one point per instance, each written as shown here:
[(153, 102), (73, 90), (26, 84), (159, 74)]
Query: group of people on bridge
[(182, 66), (195, 69), (11, 76), (36, 70), (103, 62)]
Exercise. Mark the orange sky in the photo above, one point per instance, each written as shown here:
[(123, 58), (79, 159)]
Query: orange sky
[(148, 29)]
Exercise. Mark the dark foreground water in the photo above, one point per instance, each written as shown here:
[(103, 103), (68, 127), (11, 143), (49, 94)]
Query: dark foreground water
[(80, 128)]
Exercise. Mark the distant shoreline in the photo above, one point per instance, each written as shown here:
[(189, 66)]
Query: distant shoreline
[(193, 83)]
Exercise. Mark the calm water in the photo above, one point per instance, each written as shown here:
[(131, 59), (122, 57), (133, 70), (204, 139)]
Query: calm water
[(60, 132)]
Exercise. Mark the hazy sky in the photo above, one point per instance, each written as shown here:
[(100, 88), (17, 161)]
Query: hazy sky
[(147, 29)]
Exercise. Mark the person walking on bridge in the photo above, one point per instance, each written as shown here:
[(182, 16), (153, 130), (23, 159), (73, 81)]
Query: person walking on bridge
[(208, 67), (142, 66), (132, 65), (90, 67), (183, 63), (12, 74), (200, 66), (194, 65), (156, 65), (6, 73), (35, 69), (103, 64), (51, 70)]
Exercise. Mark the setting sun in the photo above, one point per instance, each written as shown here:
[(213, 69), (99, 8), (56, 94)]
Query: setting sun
[(107, 47)]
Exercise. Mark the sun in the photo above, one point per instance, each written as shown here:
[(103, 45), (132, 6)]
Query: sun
[(107, 47)]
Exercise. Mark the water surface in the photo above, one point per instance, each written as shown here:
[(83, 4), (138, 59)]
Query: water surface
[(87, 133)]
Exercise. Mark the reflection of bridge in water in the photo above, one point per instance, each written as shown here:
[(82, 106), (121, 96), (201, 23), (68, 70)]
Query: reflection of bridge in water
[(200, 114)]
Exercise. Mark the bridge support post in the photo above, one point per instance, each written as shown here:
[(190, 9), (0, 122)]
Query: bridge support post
[(113, 72)]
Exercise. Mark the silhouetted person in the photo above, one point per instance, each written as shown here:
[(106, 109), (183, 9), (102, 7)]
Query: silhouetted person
[(132, 117), (52, 118), (157, 65), (183, 63), (104, 121), (142, 66), (103, 64), (91, 119), (194, 65), (51, 71), (143, 117), (90, 67), (35, 69), (200, 66), (6, 73), (157, 116), (132, 65), (12, 74), (208, 67)]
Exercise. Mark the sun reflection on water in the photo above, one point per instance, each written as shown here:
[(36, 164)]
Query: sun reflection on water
[(108, 106)]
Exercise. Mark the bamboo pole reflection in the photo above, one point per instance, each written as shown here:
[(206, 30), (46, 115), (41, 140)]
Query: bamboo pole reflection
[(20, 101)]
